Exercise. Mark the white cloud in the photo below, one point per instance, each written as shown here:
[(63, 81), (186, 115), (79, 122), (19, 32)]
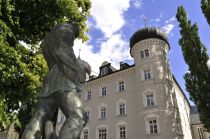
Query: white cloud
[(113, 50), (156, 20), (170, 20), (208, 63), (108, 15), (168, 28), (136, 4)]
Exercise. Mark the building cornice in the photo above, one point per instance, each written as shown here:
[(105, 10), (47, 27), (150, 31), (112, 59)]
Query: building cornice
[(117, 74)]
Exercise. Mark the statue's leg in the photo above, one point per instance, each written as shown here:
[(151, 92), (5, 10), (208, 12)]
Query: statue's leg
[(72, 108), (35, 127)]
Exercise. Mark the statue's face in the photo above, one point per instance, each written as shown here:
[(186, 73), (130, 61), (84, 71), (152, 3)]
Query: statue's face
[(67, 37)]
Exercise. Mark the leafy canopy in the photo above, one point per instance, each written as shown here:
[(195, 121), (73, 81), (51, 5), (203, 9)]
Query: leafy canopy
[(22, 68), (197, 80)]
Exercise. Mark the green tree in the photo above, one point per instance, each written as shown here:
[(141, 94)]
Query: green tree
[(22, 68), (205, 6), (197, 80)]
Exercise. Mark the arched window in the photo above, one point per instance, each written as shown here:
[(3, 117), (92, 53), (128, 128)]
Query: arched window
[(102, 113), (146, 53), (121, 107)]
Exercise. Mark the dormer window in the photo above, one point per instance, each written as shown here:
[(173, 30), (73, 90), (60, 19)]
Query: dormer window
[(104, 71)]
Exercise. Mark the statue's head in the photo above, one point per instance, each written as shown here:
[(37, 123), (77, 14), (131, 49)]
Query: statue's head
[(62, 35)]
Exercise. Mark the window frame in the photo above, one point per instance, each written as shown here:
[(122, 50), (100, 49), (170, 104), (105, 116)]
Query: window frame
[(88, 95), (147, 74), (121, 86), (102, 134), (154, 126), (103, 91)]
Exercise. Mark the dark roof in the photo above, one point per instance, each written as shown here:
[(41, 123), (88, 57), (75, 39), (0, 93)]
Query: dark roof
[(146, 33), (194, 110)]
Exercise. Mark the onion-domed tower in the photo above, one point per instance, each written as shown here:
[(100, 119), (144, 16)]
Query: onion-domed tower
[(154, 84)]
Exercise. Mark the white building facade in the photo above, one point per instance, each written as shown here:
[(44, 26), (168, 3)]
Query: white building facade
[(140, 101)]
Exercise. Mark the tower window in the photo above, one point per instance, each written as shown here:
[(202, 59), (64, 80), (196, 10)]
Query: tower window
[(146, 53), (142, 54), (147, 74), (150, 100), (153, 126)]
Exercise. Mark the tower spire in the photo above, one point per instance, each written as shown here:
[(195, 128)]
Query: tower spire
[(145, 21)]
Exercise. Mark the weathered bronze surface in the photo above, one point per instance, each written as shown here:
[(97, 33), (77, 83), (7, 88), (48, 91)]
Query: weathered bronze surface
[(60, 87)]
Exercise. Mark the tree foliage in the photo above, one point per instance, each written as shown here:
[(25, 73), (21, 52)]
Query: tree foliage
[(22, 68), (197, 80), (205, 6)]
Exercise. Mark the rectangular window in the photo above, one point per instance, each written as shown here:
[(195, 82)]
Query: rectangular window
[(150, 100), (142, 54), (102, 134), (122, 132), (121, 86), (147, 74), (85, 134), (153, 126), (122, 109), (88, 115), (103, 91), (103, 112), (201, 133), (89, 95)]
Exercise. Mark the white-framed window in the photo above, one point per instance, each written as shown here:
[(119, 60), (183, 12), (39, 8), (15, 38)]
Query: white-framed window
[(102, 114), (121, 107), (88, 95), (150, 99), (201, 133), (122, 132), (121, 86), (85, 134), (152, 125), (146, 53), (147, 74), (102, 133), (103, 91)]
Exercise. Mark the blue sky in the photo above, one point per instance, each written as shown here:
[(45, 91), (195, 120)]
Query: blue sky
[(112, 22)]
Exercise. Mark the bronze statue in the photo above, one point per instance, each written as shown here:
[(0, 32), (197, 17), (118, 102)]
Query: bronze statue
[(60, 86)]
